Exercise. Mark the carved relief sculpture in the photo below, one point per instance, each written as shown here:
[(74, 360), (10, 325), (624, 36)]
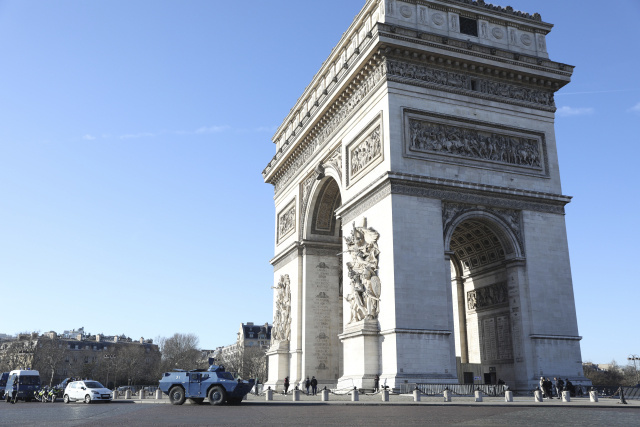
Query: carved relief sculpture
[(287, 221), (365, 153), (281, 330), (364, 298), (457, 141), (487, 297)]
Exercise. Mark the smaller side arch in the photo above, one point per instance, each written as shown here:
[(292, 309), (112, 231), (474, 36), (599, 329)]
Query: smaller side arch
[(325, 195)]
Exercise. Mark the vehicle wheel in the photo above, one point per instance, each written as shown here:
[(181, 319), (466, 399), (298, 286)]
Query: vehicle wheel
[(87, 399), (176, 395), (217, 395), (65, 399), (197, 400)]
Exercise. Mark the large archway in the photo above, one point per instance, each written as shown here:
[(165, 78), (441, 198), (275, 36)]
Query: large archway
[(480, 248), (322, 285)]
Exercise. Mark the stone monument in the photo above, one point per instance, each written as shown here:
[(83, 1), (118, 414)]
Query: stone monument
[(419, 172)]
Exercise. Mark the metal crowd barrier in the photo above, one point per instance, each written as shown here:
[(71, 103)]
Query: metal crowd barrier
[(458, 389)]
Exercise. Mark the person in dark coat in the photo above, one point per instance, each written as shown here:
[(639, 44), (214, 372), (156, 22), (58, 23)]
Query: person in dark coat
[(314, 385), (286, 384), (307, 384), (547, 388), (376, 383), (559, 387)]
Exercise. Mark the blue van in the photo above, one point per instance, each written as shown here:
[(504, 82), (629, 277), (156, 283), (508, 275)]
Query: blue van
[(27, 381), (3, 383)]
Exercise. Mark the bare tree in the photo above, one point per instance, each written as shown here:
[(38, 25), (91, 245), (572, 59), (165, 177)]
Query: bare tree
[(49, 357), (180, 351)]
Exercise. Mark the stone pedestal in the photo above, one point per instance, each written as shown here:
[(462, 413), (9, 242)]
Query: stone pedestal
[(361, 341), (127, 394), (566, 396), (416, 395), (296, 395), (508, 396), (537, 395), (593, 396), (385, 395), (355, 396), (324, 395), (268, 395), (143, 394), (447, 395), (114, 394), (478, 396), (278, 355)]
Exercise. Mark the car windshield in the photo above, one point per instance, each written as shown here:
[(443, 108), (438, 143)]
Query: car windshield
[(225, 375), (93, 384), (30, 379)]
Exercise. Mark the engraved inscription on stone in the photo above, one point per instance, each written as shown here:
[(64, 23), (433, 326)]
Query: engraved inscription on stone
[(430, 137), (287, 221), (496, 338)]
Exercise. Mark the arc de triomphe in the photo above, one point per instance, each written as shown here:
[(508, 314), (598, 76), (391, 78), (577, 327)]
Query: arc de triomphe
[(420, 232)]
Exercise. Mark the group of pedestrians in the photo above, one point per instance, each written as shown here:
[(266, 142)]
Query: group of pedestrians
[(313, 383), (546, 386)]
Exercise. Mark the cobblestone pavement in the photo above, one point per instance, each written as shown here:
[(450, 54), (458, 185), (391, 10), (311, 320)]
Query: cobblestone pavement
[(369, 411)]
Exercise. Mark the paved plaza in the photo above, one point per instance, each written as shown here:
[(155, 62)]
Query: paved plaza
[(369, 410)]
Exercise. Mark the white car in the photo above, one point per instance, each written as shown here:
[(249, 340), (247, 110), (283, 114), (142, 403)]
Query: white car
[(87, 391)]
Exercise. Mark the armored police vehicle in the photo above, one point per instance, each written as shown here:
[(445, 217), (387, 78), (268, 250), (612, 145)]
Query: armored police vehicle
[(214, 383)]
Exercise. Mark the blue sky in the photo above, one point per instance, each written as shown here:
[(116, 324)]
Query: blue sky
[(133, 134)]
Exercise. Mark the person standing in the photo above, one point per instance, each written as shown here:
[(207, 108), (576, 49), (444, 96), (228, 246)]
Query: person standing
[(286, 384), (14, 390), (314, 385), (559, 386), (376, 383), (307, 383)]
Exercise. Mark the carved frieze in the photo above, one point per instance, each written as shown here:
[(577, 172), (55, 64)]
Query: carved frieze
[(323, 133), (305, 190), (335, 161), (488, 297), (287, 221), (456, 80), (448, 140)]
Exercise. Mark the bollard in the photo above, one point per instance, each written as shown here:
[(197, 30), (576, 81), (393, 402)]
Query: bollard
[(478, 395), (158, 394), (127, 394), (324, 395), (508, 396), (593, 396), (114, 395), (143, 395), (566, 396), (537, 395), (268, 394), (296, 395), (447, 395), (355, 396), (416, 395), (385, 395)]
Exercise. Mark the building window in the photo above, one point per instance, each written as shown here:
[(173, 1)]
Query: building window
[(469, 26)]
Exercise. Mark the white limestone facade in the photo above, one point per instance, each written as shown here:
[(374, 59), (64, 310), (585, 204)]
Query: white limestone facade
[(419, 211)]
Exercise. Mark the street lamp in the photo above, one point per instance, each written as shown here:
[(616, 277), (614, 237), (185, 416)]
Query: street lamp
[(635, 358), (110, 357)]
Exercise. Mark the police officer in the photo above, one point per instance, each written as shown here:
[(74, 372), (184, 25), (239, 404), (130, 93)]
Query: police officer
[(14, 390)]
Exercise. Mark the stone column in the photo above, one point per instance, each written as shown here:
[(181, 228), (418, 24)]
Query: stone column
[(462, 317), (517, 287)]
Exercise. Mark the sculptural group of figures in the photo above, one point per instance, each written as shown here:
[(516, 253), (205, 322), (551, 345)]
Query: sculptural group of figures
[(453, 140), (366, 152), (281, 330), (487, 296), (364, 298)]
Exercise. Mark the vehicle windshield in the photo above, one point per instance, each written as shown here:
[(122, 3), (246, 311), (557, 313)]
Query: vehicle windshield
[(225, 375), (30, 379), (93, 384)]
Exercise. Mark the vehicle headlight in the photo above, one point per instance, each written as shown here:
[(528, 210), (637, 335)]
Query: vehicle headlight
[(95, 392)]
